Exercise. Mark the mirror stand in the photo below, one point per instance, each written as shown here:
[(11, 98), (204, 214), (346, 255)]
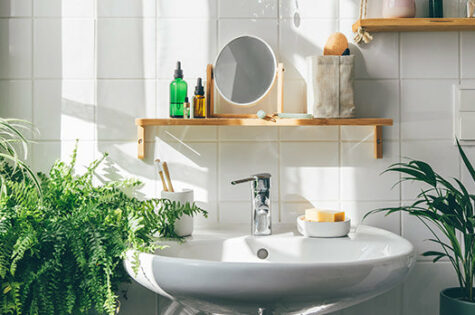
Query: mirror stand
[(210, 92)]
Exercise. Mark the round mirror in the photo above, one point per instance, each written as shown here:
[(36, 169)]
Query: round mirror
[(245, 70)]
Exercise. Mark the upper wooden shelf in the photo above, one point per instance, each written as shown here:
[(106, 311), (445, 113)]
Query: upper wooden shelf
[(416, 25), (261, 122), (376, 123)]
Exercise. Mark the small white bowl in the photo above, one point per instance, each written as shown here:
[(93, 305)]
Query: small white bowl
[(323, 229)]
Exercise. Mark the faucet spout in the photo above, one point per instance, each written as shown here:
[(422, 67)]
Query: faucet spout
[(261, 205)]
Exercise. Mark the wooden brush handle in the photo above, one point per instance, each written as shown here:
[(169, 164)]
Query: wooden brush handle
[(167, 176), (164, 185)]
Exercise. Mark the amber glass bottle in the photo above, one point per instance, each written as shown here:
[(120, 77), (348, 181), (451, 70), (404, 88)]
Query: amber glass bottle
[(199, 102)]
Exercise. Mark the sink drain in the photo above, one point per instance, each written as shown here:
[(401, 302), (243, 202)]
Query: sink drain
[(262, 253)]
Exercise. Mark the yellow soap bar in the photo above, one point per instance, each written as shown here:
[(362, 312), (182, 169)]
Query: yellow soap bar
[(317, 215), (311, 215)]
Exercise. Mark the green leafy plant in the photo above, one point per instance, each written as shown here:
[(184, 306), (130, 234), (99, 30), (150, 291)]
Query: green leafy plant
[(170, 211), (447, 207), (62, 250), (14, 150)]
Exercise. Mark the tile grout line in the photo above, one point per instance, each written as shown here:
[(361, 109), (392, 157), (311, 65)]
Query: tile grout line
[(218, 136), (32, 78), (401, 296)]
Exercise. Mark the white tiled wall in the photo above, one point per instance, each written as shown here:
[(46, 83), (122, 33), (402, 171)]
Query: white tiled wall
[(85, 69)]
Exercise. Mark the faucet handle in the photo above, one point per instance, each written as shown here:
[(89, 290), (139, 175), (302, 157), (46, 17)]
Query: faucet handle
[(244, 180), (255, 177)]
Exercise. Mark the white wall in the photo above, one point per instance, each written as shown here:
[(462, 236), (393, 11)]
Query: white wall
[(87, 68)]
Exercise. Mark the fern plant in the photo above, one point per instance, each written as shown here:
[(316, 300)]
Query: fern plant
[(61, 251), (450, 209)]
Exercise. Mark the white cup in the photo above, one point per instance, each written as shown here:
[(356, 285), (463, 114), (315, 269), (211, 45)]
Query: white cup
[(184, 225)]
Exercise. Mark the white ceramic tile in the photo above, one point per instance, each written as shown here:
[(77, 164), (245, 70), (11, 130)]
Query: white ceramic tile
[(423, 286), (466, 53), (378, 60), (192, 166), (292, 210), (388, 303), (248, 8), (126, 48), (422, 8), (16, 99), (241, 212), (243, 133), (309, 171), (195, 48), (16, 50), (429, 55), (451, 8), (119, 103), (64, 48), (186, 133), (15, 8), (427, 109), (163, 98), (86, 154), (375, 99), (310, 133), (46, 153), (252, 158), (295, 96), (200, 222), (415, 231), (64, 8), (308, 9), (186, 8), (122, 163), (356, 211), (265, 29), (442, 155), (349, 9), (300, 39), (126, 8), (466, 178), (360, 174), (64, 109)]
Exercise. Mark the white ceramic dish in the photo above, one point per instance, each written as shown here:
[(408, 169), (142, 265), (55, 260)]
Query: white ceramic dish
[(323, 229)]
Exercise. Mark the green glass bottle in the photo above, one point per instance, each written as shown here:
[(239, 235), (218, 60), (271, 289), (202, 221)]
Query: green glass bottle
[(178, 92)]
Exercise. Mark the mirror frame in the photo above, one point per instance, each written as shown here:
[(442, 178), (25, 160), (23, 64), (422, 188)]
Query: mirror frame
[(271, 85)]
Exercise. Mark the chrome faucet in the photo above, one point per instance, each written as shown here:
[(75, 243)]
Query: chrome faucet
[(260, 189)]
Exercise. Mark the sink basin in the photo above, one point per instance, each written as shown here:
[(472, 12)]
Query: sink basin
[(230, 273)]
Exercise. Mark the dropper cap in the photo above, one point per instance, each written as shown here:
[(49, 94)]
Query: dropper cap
[(199, 89), (178, 71)]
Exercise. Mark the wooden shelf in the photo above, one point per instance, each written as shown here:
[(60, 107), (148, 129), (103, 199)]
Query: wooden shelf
[(416, 25), (377, 123)]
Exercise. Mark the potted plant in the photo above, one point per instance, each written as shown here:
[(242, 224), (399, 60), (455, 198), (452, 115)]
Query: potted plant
[(63, 238), (448, 207)]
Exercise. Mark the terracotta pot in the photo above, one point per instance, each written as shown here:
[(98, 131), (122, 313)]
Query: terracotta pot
[(451, 303), (399, 8)]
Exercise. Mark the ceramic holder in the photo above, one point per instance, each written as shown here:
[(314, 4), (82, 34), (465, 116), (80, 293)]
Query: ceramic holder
[(184, 225)]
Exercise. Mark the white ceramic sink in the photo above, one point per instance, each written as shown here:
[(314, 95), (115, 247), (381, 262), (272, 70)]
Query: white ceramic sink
[(222, 273)]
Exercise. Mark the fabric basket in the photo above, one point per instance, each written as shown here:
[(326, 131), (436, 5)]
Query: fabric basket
[(330, 86)]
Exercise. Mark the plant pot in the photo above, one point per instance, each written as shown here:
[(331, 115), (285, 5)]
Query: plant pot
[(451, 304), (184, 225)]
